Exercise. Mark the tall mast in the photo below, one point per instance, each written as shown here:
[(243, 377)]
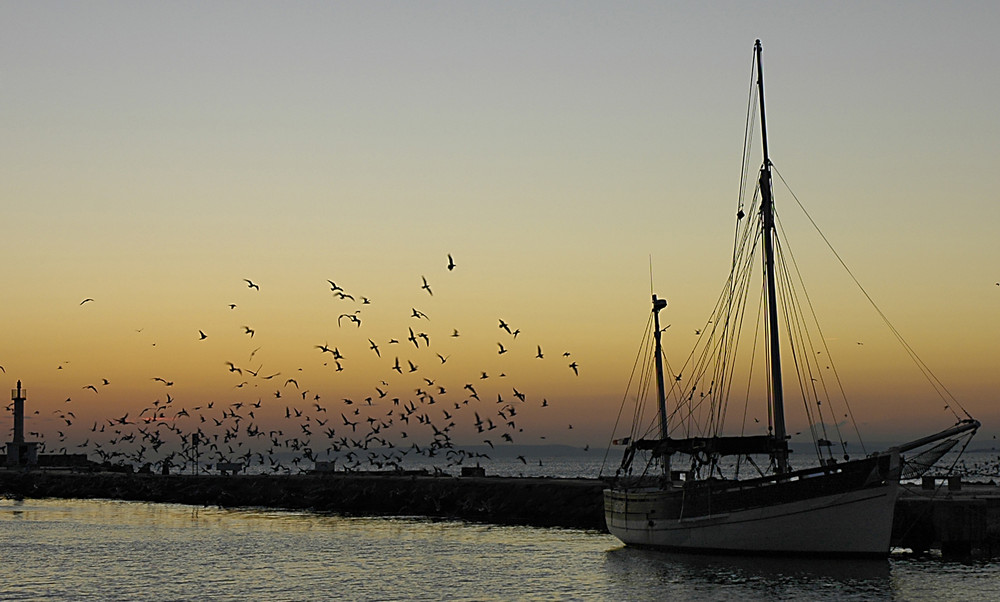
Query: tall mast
[(661, 397), (767, 213)]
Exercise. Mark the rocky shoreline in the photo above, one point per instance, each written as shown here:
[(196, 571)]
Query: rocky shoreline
[(541, 502)]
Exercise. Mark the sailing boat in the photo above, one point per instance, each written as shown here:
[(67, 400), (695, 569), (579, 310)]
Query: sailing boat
[(840, 506)]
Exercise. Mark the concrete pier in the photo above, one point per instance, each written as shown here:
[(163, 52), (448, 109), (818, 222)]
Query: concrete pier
[(959, 521)]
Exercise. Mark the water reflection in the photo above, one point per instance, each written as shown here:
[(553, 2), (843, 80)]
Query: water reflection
[(702, 576), (72, 549)]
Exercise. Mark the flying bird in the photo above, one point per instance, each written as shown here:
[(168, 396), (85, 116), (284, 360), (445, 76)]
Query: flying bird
[(202, 335), (85, 300), (451, 263), (427, 287), (352, 317), (574, 367), (250, 284)]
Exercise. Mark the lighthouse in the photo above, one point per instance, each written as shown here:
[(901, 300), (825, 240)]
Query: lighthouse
[(19, 451)]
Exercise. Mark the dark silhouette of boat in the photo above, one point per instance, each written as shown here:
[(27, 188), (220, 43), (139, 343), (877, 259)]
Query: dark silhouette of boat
[(839, 506)]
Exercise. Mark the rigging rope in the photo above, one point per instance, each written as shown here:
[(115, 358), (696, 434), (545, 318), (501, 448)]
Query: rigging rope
[(934, 381)]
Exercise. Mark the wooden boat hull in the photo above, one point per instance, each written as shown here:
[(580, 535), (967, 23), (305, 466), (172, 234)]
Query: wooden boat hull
[(856, 521)]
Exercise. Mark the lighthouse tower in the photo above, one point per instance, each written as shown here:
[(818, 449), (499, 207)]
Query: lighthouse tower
[(20, 452)]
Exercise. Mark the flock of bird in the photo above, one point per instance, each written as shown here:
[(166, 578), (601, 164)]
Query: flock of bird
[(408, 418)]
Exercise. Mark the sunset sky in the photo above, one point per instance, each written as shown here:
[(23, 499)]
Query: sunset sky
[(155, 155)]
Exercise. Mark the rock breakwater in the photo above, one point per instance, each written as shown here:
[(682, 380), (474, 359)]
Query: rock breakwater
[(543, 502)]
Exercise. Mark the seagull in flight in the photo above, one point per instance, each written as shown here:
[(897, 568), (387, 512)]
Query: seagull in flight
[(352, 317), (250, 284), (427, 287), (451, 263), (85, 300)]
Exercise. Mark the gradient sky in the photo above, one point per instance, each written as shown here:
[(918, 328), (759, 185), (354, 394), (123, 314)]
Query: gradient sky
[(156, 154)]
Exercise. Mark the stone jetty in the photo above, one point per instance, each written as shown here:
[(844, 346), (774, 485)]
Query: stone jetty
[(960, 520), (542, 502)]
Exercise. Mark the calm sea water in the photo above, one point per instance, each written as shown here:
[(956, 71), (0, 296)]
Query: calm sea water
[(109, 550)]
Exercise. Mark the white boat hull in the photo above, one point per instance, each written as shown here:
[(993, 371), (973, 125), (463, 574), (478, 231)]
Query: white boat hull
[(856, 522)]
